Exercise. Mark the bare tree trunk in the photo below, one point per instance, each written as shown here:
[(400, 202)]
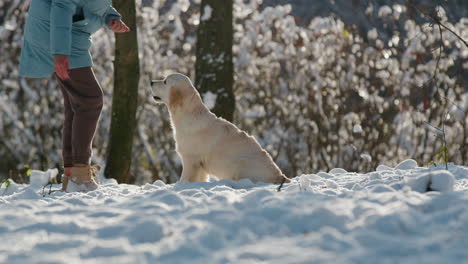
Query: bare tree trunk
[(214, 68), (124, 100)]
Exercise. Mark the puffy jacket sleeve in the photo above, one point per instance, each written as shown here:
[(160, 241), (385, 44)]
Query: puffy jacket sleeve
[(61, 18), (110, 14)]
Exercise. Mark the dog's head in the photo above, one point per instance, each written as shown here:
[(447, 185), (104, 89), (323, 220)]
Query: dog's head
[(173, 90)]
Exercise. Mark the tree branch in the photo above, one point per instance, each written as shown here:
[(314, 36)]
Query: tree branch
[(436, 20)]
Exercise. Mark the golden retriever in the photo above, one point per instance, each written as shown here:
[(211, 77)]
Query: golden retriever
[(209, 145)]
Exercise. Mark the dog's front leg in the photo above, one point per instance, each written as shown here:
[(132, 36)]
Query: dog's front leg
[(188, 174), (192, 171)]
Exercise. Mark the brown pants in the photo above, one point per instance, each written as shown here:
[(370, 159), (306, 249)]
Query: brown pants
[(82, 98)]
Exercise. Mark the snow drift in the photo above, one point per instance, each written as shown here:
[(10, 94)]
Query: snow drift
[(383, 216)]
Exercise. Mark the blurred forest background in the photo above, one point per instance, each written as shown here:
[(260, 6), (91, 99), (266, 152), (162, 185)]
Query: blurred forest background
[(320, 84)]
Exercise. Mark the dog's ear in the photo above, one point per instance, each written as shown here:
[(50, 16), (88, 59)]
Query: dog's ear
[(176, 98)]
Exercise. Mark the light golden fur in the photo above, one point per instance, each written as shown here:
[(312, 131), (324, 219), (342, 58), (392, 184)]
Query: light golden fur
[(208, 145)]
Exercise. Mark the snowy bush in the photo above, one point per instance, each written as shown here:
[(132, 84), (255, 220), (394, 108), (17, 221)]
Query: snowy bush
[(317, 96), (304, 90)]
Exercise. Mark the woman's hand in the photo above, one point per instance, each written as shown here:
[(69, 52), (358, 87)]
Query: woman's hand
[(62, 64), (118, 26)]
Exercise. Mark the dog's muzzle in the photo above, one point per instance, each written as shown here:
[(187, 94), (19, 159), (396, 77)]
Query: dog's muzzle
[(156, 98)]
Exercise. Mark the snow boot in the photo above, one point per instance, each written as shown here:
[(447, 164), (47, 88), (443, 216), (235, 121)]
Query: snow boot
[(64, 182), (66, 170), (81, 179)]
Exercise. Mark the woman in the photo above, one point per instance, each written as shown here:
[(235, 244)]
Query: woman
[(57, 38)]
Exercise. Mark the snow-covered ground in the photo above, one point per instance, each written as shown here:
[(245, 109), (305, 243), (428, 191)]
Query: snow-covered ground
[(385, 216)]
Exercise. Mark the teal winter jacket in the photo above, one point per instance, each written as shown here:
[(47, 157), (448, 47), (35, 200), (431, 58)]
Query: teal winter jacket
[(61, 27)]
